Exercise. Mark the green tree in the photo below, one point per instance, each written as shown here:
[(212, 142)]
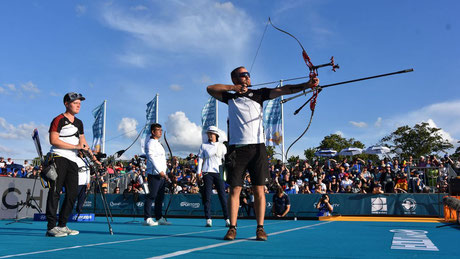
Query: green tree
[(270, 151), (421, 140), (293, 160), (309, 153), (337, 142)]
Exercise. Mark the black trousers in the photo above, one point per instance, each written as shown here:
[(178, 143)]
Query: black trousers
[(209, 180), (157, 194), (68, 178), (81, 197)]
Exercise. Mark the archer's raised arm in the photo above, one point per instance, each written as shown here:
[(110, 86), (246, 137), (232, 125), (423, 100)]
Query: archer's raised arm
[(292, 89)]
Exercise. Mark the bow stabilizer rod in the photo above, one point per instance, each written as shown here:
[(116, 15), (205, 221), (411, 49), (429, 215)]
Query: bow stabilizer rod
[(347, 82)]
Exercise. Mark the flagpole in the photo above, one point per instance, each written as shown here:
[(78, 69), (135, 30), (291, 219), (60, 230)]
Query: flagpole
[(103, 128), (283, 159), (217, 113), (156, 108)]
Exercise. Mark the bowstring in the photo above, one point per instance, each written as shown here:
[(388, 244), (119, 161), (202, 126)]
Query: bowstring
[(258, 48)]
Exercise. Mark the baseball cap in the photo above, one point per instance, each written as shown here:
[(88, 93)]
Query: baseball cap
[(213, 129), (72, 96)]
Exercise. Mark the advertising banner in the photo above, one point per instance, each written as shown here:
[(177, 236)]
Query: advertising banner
[(20, 199), (302, 205)]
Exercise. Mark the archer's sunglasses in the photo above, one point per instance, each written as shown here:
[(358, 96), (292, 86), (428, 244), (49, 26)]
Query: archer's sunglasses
[(244, 74)]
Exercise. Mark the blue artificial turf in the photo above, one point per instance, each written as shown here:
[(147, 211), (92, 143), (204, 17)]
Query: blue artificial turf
[(287, 239)]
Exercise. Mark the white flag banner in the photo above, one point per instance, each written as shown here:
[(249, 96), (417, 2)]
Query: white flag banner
[(208, 116), (273, 122), (98, 127), (151, 116)]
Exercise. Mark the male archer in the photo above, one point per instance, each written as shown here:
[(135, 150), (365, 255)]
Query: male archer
[(156, 177), (246, 139)]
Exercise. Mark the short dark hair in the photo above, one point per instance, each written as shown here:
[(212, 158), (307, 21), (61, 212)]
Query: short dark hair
[(154, 126), (233, 73)]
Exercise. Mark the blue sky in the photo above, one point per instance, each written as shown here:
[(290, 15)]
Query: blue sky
[(127, 51)]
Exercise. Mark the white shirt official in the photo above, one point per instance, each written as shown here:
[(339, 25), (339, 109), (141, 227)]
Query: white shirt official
[(156, 157), (210, 157)]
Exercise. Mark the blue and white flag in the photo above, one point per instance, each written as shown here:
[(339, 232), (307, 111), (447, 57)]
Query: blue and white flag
[(208, 116), (273, 122), (151, 116), (98, 127), (208, 113)]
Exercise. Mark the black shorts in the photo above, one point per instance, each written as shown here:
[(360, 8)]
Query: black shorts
[(252, 157)]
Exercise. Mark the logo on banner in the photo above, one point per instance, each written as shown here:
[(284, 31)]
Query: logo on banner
[(113, 204), (379, 205), (194, 205), (88, 204), (409, 205)]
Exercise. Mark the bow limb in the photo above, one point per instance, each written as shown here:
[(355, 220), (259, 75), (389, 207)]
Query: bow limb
[(305, 56), (313, 74), (169, 148), (172, 179)]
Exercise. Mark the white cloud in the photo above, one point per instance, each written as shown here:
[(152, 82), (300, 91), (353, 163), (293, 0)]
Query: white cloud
[(340, 133), (442, 132), (136, 60), (182, 134), (287, 7), (128, 127), (358, 124), (7, 150), (11, 87), (139, 8), (205, 27), (53, 93), (175, 87), (80, 10), (27, 88), (444, 115), (21, 131), (30, 87), (205, 79), (378, 122)]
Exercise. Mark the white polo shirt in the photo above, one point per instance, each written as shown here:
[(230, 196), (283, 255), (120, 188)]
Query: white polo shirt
[(245, 113), (210, 157), (156, 157)]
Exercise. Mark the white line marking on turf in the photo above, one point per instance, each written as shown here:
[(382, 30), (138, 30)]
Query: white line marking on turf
[(122, 241), (182, 252)]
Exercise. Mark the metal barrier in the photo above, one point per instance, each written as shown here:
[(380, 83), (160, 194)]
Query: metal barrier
[(428, 175)]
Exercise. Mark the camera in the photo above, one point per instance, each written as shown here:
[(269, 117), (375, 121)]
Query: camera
[(323, 197), (99, 156)]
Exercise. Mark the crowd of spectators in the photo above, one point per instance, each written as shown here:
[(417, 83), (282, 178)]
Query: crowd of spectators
[(358, 176), (8, 168), (302, 177)]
